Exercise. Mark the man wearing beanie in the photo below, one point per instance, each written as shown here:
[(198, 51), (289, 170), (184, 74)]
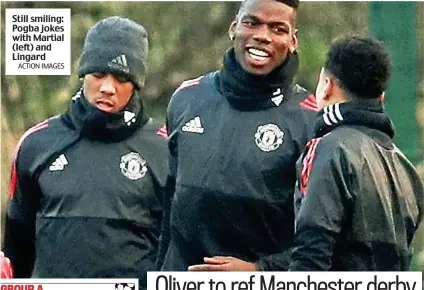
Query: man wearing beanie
[(234, 136), (86, 188), (359, 201)]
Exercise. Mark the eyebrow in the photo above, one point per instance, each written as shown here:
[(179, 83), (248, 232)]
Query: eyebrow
[(273, 23)]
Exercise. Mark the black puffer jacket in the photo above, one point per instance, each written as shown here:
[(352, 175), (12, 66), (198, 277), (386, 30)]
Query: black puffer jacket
[(359, 200)]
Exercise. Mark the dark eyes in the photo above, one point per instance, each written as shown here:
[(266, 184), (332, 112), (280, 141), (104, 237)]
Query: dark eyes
[(277, 29), (121, 78), (249, 23), (118, 77), (280, 30), (98, 75)]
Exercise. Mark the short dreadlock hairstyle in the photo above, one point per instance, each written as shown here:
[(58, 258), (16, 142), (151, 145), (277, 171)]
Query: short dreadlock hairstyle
[(361, 64)]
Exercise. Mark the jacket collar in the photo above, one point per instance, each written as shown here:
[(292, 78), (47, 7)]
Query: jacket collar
[(93, 123), (368, 113), (246, 91)]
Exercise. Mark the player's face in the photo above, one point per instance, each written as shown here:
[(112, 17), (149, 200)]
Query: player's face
[(263, 35), (107, 92)]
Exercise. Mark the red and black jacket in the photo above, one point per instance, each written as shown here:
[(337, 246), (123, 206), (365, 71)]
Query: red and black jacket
[(234, 144), (86, 195)]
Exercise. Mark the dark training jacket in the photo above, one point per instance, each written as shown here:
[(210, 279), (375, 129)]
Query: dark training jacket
[(233, 166), (359, 200), (86, 195)]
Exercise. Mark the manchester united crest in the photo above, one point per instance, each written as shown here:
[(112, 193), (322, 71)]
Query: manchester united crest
[(133, 166), (269, 137)]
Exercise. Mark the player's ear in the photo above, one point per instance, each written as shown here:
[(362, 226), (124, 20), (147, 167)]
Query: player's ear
[(231, 30), (295, 41)]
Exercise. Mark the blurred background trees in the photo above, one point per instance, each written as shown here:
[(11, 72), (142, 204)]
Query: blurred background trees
[(187, 39)]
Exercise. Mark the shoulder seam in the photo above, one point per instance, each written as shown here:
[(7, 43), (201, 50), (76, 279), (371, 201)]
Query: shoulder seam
[(307, 161), (310, 103), (14, 176), (188, 83), (163, 132)]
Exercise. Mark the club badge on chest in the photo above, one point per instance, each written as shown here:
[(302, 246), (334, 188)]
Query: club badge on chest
[(269, 137), (133, 166)]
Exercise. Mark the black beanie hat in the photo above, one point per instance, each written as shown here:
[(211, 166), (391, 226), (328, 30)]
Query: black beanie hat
[(115, 45)]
